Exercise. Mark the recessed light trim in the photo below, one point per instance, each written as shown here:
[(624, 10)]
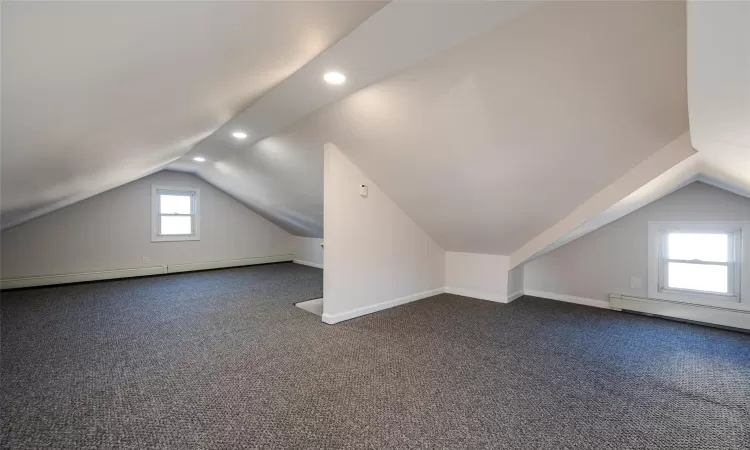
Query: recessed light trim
[(199, 159), (239, 135), (334, 78)]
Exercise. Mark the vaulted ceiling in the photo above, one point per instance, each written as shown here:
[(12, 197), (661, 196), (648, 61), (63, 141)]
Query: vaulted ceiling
[(493, 142), (97, 94), (502, 120), (499, 127)]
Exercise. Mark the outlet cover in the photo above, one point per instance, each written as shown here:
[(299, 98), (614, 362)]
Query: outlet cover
[(146, 260), (635, 282)]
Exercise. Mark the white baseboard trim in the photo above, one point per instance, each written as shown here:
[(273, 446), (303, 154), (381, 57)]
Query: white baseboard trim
[(351, 314), (515, 295), (308, 263), (46, 280), (13, 283), (175, 268), (568, 298), (499, 298)]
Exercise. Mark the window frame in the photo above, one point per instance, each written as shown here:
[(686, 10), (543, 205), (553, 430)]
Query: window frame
[(156, 193), (737, 254)]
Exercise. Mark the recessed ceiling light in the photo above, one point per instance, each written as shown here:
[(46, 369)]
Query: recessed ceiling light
[(334, 78), (199, 159), (239, 135)]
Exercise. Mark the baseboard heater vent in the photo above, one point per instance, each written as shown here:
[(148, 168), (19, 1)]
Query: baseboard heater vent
[(46, 280), (712, 315)]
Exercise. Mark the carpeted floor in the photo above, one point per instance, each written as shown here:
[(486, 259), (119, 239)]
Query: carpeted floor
[(223, 359)]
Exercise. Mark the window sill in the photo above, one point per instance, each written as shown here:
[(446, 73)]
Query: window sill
[(175, 238)]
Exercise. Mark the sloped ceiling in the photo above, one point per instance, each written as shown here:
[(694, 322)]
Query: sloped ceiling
[(719, 111), (719, 88), (719, 80), (490, 143), (486, 144), (96, 94), (277, 170)]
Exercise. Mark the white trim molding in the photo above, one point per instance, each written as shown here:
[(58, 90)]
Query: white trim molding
[(190, 267), (363, 311), (568, 298), (498, 298), (358, 312), (46, 280), (715, 315), (308, 263)]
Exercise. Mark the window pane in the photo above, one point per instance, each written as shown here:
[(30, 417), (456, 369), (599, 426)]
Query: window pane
[(703, 246), (174, 204), (176, 225), (699, 277)]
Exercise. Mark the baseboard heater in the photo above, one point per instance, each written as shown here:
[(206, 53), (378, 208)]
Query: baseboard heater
[(47, 280), (712, 315), (174, 268)]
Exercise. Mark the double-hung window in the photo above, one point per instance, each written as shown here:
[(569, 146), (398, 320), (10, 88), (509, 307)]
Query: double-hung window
[(174, 214), (695, 262)]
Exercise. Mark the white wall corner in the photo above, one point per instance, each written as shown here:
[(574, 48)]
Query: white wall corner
[(477, 275), (499, 298), (308, 263), (376, 256), (516, 282), (308, 251)]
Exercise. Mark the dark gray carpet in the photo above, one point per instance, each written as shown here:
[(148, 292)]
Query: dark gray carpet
[(223, 359)]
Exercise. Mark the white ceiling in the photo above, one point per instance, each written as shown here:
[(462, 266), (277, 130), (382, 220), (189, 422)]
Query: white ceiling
[(719, 87), (719, 110), (278, 169), (492, 142), (485, 144), (97, 94)]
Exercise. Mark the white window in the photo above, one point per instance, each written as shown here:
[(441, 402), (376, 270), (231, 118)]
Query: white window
[(174, 214), (696, 262)]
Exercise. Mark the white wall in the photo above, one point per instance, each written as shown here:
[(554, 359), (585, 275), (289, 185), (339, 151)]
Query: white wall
[(603, 261), (477, 275), (515, 282), (376, 256), (308, 251), (112, 231)]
